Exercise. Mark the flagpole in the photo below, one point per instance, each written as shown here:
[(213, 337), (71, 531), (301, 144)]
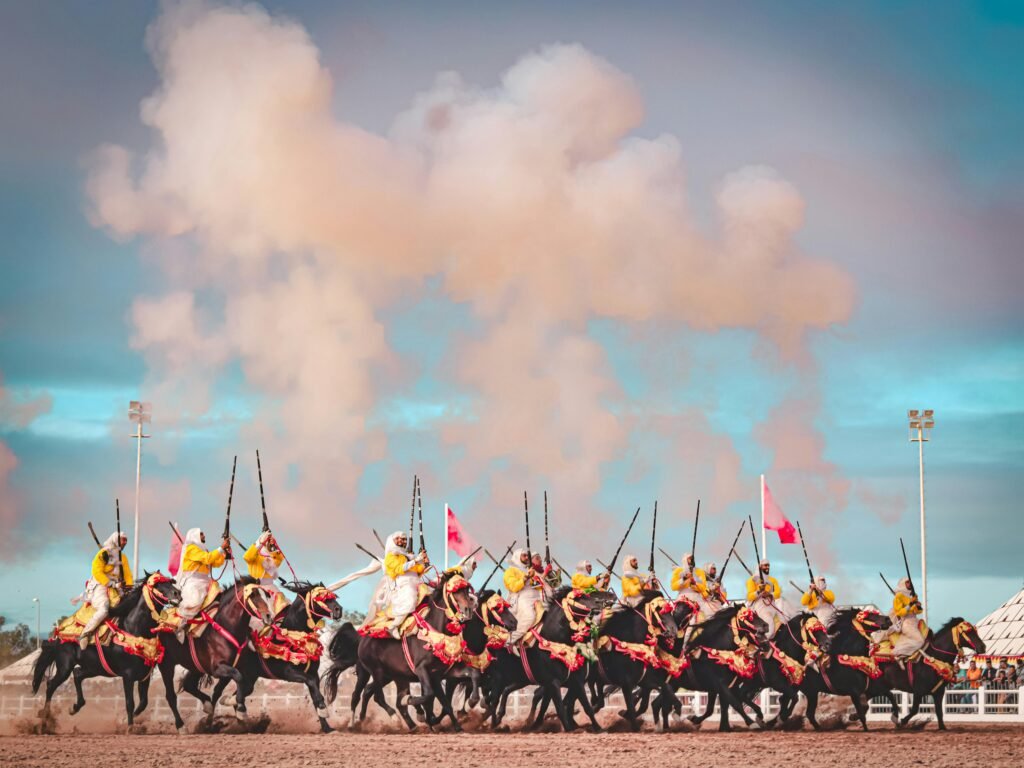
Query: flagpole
[(446, 536), (764, 539)]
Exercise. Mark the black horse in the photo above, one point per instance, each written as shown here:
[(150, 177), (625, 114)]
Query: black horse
[(783, 668), (218, 650), (722, 653), (549, 662), (424, 656), (933, 671), (134, 617), (290, 649), (847, 668)]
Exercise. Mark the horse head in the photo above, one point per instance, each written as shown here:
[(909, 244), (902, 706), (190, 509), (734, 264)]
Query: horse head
[(457, 597), (254, 599), (161, 591), (813, 634), (964, 635), (498, 619), (659, 614), (751, 627), (868, 621), (321, 604)]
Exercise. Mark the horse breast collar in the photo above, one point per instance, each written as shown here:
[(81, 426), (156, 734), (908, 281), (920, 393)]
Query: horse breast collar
[(582, 628)]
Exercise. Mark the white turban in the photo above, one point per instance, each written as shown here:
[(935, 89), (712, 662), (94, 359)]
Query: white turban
[(628, 569), (391, 547), (582, 566)]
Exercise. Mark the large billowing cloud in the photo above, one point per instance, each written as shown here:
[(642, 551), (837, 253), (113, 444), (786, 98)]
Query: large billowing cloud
[(285, 232)]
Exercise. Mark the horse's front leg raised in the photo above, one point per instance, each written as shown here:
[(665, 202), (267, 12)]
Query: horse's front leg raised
[(79, 676), (143, 693)]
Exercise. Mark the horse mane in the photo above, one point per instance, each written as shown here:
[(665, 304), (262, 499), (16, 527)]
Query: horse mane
[(720, 618), (949, 625), (241, 581), (485, 595), (128, 601), (300, 587), (559, 595), (844, 619)]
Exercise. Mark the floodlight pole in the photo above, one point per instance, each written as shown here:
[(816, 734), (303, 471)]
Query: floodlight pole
[(138, 412), (922, 424)]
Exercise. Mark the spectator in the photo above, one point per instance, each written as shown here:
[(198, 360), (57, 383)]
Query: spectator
[(1013, 678), (988, 674)]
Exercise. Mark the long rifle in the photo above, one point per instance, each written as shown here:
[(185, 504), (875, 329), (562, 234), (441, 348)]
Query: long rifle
[(496, 567), (806, 558), (887, 584), (419, 496), (609, 568), (667, 555), (621, 543), (378, 538), (365, 551), (735, 541), (412, 508), (654, 530), (910, 581), (740, 560), (547, 549), (177, 533), (227, 519), (526, 511), (693, 547), (263, 501), (94, 536), (757, 554)]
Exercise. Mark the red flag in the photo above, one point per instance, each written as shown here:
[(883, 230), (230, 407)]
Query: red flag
[(174, 559), (459, 541), (775, 520)]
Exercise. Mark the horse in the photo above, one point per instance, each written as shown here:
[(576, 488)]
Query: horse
[(797, 643), (929, 674), (627, 652), (218, 650), (290, 649), (425, 656), (571, 617), (130, 655), (848, 668), (721, 650)]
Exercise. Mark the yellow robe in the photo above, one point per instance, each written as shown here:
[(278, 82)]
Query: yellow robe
[(582, 581), (102, 570), (255, 561), (811, 601), (697, 581), (515, 579), (631, 586), (755, 588), (905, 605), (196, 559), (394, 565)]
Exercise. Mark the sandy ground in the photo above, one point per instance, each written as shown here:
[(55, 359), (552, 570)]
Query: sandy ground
[(884, 748)]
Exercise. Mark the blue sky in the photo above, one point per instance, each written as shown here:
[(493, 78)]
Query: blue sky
[(898, 126)]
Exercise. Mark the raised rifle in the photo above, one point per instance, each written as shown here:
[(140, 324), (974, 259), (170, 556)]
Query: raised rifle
[(227, 519), (740, 560), (735, 541), (497, 566), (378, 538), (94, 536), (263, 501), (365, 551), (667, 555), (412, 508), (610, 569), (177, 533), (654, 530), (615, 558), (693, 547), (547, 549), (419, 496), (889, 586), (526, 511), (806, 558), (906, 565)]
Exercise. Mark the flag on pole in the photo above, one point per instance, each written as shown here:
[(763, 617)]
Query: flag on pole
[(773, 519), (459, 542), (174, 559)]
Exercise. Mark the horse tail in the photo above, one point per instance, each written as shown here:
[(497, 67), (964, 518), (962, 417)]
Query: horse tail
[(343, 651), (329, 683), (47, 658)]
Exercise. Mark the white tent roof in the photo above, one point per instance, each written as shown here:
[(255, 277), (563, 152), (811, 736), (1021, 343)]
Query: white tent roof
[(20, 669), (1003, 629)]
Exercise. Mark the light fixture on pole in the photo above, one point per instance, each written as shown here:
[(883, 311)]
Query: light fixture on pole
[(140, 413), (920, 424), (39, 610)]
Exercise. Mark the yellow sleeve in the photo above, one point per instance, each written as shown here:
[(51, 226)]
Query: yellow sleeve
[(776, 589), (126, 572), (677, 579), (752, 589), (700, 582), (808, 599), (277, 556), (195, 555), (828, 596), (515, 579), (394, 564), (630, 586), (252, 555), (582, 581), (100, 570)]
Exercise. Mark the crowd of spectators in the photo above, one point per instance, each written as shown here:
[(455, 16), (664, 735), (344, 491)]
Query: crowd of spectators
[(1003, 677)]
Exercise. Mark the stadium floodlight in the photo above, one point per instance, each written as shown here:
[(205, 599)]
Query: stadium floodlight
[(140, 413), (920, 425)]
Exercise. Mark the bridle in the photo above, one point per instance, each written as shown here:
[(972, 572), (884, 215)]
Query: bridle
[(743, 624), (863, 618), (961, 635), (452, 612), (155, 600), (489, 611), (314, 599), (579, 616)]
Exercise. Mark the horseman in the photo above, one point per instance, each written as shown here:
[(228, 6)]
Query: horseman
[(195, 575), (404, 572), (820, 600), (584, 580), (633, 582), (908, 632), (716, 598), (110, 571), (690, 582), (263, 558), (526, 592), (546, 573), (764, 597)]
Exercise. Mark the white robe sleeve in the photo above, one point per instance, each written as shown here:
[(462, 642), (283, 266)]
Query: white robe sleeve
[(372, 567)]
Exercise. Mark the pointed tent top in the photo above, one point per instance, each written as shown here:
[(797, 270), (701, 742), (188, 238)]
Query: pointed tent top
[(1003, 629)]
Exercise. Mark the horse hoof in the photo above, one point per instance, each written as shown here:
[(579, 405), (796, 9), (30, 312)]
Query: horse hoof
[(659, 727), (207, 707), (755, 726)]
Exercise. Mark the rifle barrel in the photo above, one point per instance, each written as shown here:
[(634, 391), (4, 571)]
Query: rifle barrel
[(263, 501), (667, 555), (735, 541), (526, 511), (804, 545), (906, 565), (757, 554), (94, 536), (365, 551), (497, 566), (621, 543), (693, 547), (654, 531), (740, 561)]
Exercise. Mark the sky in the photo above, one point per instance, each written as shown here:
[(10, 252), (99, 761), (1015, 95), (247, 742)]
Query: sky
[(618, 252)]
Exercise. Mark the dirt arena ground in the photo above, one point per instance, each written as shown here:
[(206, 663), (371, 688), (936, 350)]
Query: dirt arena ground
[(961, 746)]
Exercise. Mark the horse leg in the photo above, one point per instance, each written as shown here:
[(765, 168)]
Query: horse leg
[(575, 685), (937, 699), (698, 719), (191, 685), (729, 699), (63, 665), (915, 705), (446, 705), (812, 707), (894, 704), (167, 674), (630, 713), (402, 689), (79, 676), (129, 698), (143, 693), (474, 683), (311, 681), (860, 703), (537, 699), (218, 690), (362, 678), (556, 695), (226, 670)]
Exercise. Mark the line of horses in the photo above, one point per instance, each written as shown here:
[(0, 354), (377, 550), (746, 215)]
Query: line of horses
[(585, 645)]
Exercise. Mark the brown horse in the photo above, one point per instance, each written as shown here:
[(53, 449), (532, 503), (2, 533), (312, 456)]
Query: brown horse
[(217, 651)]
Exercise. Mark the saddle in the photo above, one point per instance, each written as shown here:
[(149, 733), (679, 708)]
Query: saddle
[(379, 624), (70, 628), (170, 620)]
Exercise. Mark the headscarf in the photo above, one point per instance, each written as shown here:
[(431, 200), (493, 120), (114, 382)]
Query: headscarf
[(685, 562), (819, 582), (708, 567), (627, 569), (194, 536), (517, 558), (903, 586), (112, 546), (582, 565), (764, 564), (392, 548)]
